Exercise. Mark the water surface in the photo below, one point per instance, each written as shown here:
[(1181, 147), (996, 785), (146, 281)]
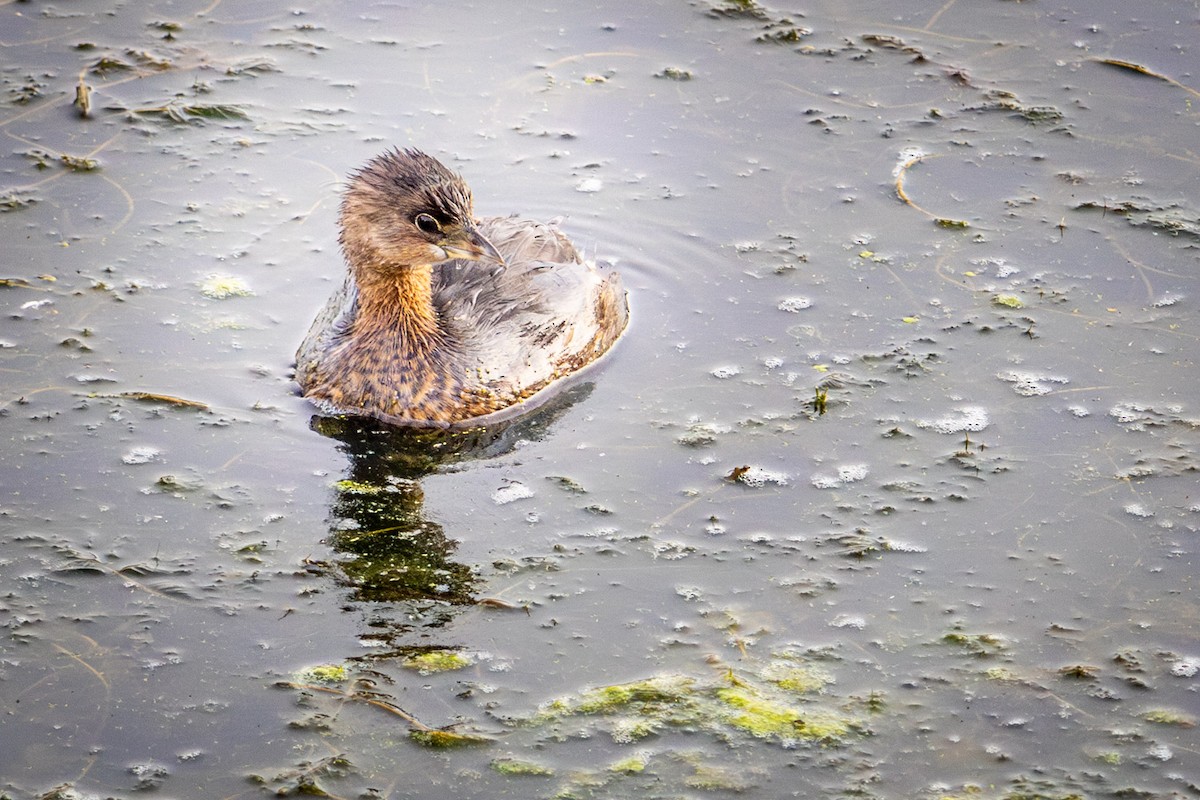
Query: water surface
[(890, 490)]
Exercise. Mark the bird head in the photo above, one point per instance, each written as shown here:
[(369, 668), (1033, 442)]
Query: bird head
[(406, 209)]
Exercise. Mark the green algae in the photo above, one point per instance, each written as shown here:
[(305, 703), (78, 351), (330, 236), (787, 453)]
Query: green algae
[(358, 487), (766, 717), (1166, 716), (710, 777), (1008, 301), (798, 678), (775, 704), (325, 673), (516, 766), (632, 765), (664, 691), (433, 661), (977, 644), (447, 740), (1002, 674)]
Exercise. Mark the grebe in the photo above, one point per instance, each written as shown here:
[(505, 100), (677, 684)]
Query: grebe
[(448, 321)]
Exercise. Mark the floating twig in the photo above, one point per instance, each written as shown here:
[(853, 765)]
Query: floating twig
[(901, 173), (1138, 68), (153, 397), (83, 96)]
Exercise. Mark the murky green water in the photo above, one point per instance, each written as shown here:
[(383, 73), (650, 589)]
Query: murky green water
[(969, 232)]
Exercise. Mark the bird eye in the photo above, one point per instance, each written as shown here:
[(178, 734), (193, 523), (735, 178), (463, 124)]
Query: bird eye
[(427, 224)]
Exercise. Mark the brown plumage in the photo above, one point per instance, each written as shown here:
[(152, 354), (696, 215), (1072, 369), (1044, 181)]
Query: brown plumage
[(444, 320)]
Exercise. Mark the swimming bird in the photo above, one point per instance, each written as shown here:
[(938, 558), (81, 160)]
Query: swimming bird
[(444, 320)]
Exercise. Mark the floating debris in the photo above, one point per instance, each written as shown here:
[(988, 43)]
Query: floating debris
[(1139, 69), (184, 112), (1143, 212), (977, 644), (674, 74), (447, 740), (569, 485), (170, 400), (1165, 716), (726, 372), (83, 98), (757, 477), (783, 32)]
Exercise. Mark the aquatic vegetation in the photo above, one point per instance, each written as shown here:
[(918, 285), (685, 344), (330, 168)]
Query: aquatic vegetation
[(977, 644), (777, 704), (307, 778), (633, 764), (766, 718), (796, 677), (516, 766), (569, 485), (16, 199), (79, 163), (348, 486), (1009, 661), (1171, 218), (783, 32), (861, 543), (188, 112), (433, 661), (674, 74), (324, 673), (1166, 716), (447, 739), (1008, 301)]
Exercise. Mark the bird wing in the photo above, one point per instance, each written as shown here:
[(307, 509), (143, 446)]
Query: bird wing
[(543, 315)]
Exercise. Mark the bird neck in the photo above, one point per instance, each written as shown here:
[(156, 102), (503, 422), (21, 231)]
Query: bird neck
[(399, 304)]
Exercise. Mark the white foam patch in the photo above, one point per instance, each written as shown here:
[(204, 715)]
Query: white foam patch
[(1186, 667), (758, 477), (1168, 299), (964, 418), (143, 454), (1031, 384), (511, 493), (795, 304), (908, 156), (723, 373), (847, 473)]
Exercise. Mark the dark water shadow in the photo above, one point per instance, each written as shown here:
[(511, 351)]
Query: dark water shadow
[(389, 551)]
